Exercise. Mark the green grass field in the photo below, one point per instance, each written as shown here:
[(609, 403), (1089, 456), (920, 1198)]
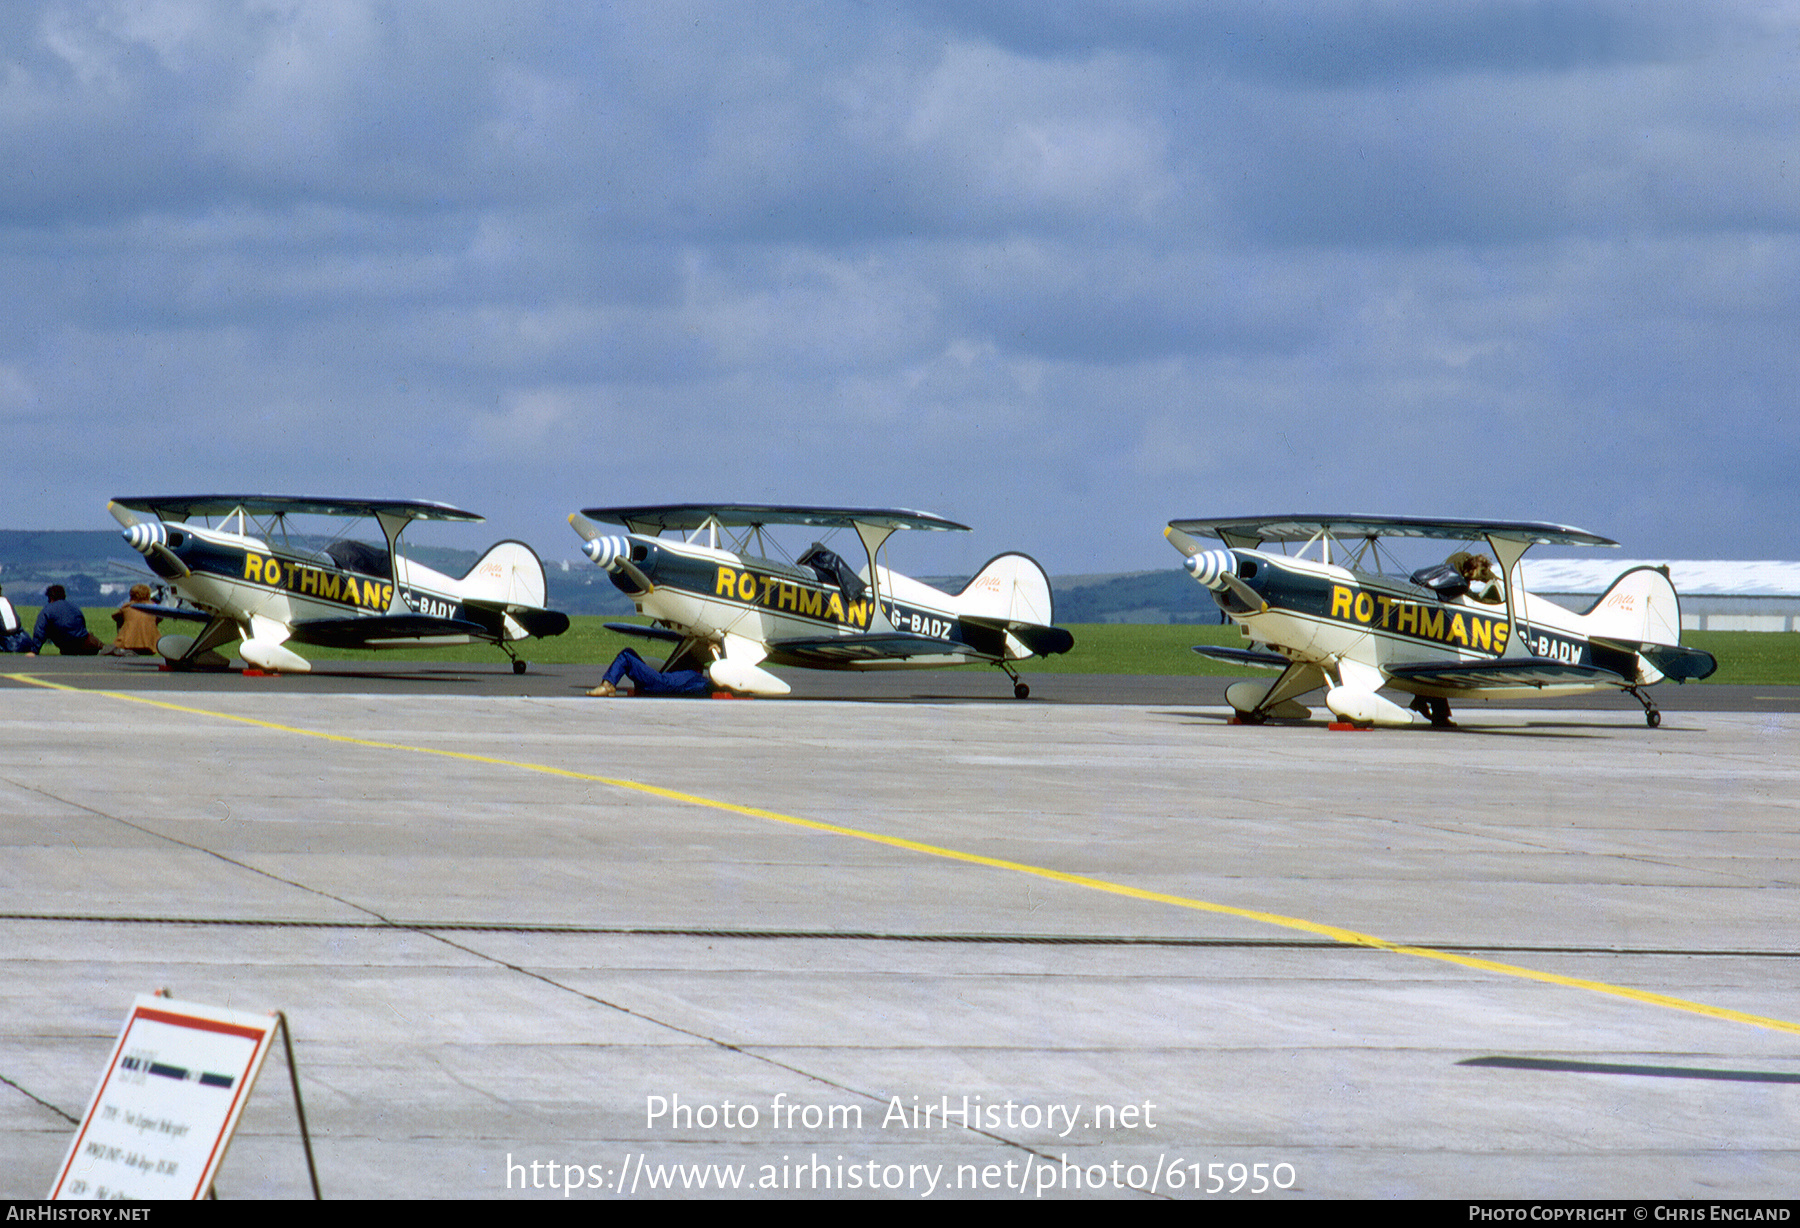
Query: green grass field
[(1745, 657)]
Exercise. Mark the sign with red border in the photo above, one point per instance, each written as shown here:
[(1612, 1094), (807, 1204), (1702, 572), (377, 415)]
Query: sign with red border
[(167, 1104)]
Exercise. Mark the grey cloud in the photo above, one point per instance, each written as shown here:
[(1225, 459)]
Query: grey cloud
[(1352, 44)]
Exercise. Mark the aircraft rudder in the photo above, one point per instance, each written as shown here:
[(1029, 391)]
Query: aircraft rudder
[(1010, 586), (510, 573), (1640, 605)]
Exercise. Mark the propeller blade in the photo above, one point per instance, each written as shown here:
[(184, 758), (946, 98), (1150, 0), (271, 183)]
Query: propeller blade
[(1187, 543), (1249, 596), (637, 576), (124, 515), (586, 528)]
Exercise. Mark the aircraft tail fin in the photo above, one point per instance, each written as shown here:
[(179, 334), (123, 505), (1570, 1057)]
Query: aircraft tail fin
[(508, 574), (1640, 606), (1011, 588)]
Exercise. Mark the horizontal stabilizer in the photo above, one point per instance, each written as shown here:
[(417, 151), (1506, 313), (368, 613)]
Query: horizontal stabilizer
[(838, 650), (386, 631), (1043, 641), (1521, 671), (647, 633), (1244, 656), (1669, 660), (538, 623), (1039, 640)]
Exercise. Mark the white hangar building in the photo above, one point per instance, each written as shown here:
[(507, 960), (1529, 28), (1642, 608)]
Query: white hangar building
[(1722, 595)]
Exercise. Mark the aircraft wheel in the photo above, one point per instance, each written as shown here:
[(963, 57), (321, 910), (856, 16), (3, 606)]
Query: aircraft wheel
[(1252, 718), (1021, 691), (518, 667), (1653, 719)]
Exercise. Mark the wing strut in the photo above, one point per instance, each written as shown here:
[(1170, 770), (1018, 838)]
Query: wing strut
[(874, 537), (1507, 552)]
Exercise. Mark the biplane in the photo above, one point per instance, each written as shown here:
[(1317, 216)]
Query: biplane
[(1328, 615), (254, 575), (725, 605)]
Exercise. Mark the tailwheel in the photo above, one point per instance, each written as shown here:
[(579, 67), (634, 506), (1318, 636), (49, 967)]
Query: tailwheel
[(1652, 715), (1020, 690)]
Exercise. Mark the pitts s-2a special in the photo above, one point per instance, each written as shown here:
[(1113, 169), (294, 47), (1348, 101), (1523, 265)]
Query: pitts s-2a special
[(726, 606), (1466, 628), (253, 577)]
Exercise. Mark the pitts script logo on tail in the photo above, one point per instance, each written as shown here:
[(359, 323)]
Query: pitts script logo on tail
[(305, 580), (1438, 624)]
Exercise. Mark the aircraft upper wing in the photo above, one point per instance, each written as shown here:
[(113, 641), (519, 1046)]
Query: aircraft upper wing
[(688, 516), (1250, 531), (180, 507)]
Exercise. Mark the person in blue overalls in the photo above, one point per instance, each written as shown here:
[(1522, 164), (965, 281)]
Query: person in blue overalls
[(649, 680)]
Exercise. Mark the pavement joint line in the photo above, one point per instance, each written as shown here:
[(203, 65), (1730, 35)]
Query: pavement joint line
[(1336, 933)]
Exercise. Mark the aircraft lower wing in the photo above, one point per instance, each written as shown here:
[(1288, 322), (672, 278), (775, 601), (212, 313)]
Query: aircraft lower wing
[(662, 634), (1244, 656), (1521, 671), (826, 651), (185, 613), (386, 631)]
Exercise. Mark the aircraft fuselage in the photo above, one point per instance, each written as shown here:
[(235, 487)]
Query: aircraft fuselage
[(239, 577), (1322, 613), (710, 593)]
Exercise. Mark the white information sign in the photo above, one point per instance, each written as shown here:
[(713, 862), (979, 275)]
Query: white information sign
[(160, 1120)]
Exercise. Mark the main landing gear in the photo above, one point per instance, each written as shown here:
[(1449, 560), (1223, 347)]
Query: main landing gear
[(1652, 715), (1434, 709), (519, 666)]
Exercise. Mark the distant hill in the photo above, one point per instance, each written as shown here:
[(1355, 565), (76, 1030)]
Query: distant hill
[(1169, 596), (98, 568), (75, 559)]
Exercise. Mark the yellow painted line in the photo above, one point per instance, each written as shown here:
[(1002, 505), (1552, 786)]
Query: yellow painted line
[(1335, 933)]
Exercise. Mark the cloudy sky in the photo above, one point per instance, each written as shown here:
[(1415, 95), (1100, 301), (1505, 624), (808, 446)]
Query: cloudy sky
[(1059, 271)]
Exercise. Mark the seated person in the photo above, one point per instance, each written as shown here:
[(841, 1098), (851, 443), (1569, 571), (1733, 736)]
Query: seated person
[(138, 631), (1478, 570), (13, 636), (61, 623), (1462, 574), (649, 680)]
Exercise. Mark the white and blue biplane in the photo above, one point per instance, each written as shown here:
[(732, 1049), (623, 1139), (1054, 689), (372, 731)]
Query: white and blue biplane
[(253, 576), (726, 606), (1328, 616)]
